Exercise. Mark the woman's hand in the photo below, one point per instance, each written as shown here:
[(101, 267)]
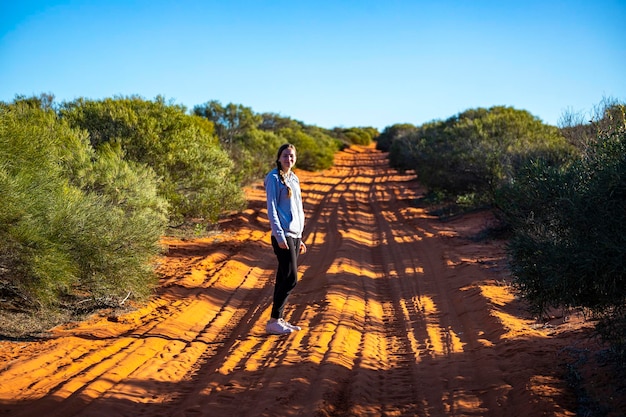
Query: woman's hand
[(302, 247)]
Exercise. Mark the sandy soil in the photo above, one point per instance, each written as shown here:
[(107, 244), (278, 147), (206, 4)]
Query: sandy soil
[(402, 315)]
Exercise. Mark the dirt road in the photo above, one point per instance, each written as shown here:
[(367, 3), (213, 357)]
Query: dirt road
[(402, 315)]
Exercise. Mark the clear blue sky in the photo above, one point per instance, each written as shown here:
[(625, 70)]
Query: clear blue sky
[(325, 63)]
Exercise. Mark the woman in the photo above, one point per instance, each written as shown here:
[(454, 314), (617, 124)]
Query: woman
[(286, 216)]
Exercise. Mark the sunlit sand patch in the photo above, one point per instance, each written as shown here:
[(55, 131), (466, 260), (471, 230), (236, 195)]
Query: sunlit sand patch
[(548, 388), (478, 259), (374, 354), (500, 296), (441, 340), (125, 365), (360, 186), (447, 233), (427, 234), (245, 234), (344, 346), (316, 238), (259, 235), (412, 213), (392, 274), (319, 342), (428, 305), (322, 185), (485, 343), (390, 216), (367, 181), (435, 345), (344, 265), (28, 379), (363, 200), (187, 325), (239, 356), (335, 268), (516, 327), (193, 279), (302, 270), (360, 237), (407, 239), (178, 356), (365, 220), (340, 337), (453, 342), (450, 262), (411, 333), (410, 270), (231, 276), (497, 294), (462, 403)]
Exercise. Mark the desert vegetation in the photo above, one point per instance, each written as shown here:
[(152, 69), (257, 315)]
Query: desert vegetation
[(90, 186), (470, 155), (569, 225), (74, 220), (559, 191)]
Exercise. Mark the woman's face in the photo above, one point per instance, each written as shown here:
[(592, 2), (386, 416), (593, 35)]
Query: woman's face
[(287, 159)]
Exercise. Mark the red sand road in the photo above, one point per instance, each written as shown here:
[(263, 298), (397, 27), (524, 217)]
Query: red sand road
[(402, 315)]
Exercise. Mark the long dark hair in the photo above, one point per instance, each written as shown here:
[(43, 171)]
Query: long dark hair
[(282, 173)]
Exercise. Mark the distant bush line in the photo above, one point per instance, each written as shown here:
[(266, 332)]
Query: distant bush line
[(560, 193), (90, 186)]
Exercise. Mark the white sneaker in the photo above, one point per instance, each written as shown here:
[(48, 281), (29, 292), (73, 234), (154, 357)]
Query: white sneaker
[(277, 327), (291, 326)]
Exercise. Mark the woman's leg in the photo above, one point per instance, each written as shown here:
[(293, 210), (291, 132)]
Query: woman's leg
[(286, 274)]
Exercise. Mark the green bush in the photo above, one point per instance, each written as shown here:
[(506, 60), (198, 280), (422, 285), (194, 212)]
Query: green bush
[(196, 175), (254, 153), (568, 247), (73, 222), (239, 130), (354, 135), (385, 140), (315, 149), (581, 133), (231, 121), (478, 150), (252, 139)]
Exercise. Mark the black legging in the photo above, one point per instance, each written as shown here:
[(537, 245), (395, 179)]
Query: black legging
[(286, 274)]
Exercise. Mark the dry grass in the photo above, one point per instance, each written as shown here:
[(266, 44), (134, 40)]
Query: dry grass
[(21, 322)]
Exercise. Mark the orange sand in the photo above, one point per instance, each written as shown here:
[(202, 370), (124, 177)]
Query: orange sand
[(402, 315)]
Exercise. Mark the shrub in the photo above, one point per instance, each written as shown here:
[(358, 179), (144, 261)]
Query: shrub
[(231, 121), (478, 150), (252, 139), (385, 140), (354, 135), (569, 231), (73, 222), (254, 153), (581, 130), (196, 174), (315, 149)]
